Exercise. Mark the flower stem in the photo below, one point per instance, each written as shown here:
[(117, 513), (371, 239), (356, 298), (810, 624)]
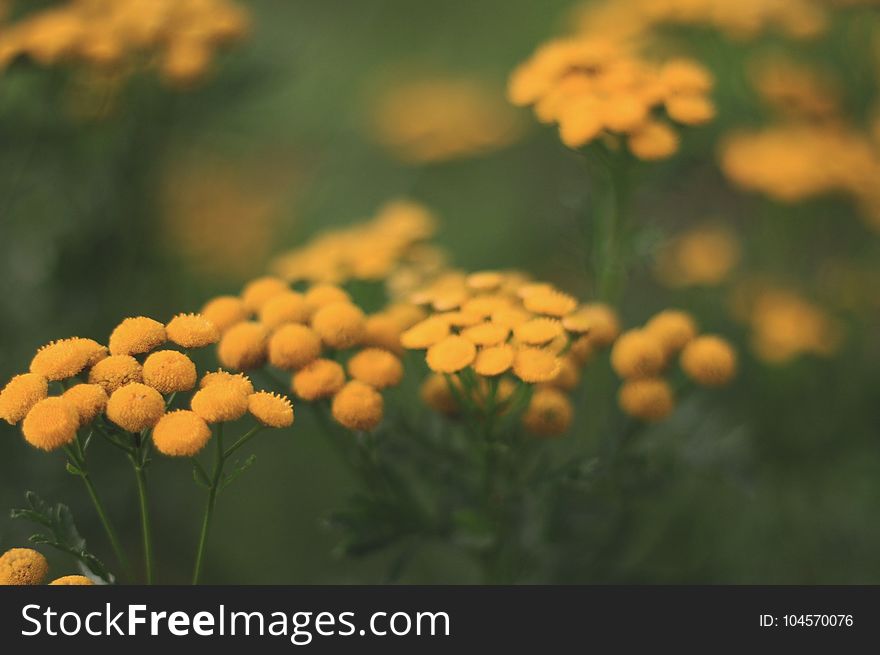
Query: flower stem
[(146, 530), (216, 476)]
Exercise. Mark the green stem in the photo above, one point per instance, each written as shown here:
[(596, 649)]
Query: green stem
[(146, 530), (216, 476)]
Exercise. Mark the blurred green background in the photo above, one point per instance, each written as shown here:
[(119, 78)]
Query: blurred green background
[(773, 480)]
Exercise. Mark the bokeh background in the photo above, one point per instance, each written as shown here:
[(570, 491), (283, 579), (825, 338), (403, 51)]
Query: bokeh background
[(131, 197)]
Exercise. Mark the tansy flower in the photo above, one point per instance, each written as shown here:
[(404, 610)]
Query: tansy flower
[(538, 331), (484, 280), (551, 303), (220, 401), (510, 317), (702, 256), (648, 399), (549, 413), (239, 379), (673, 328), (425, 334), (293, 346), (534, 365), (181, 433), (485, 304), (116, 371), (20, 394), (23, 566), (461, 319), (319, 379), (89, 400), (257, 292), (582, 350), (63, 359), (71, 580), (637, 354), (137, 335), (168, 371), (50, 424), (244, 346), (383, 331), (286, 307), (451, 354), (192, 331), (494, 360), (339, 324), (358, 406), (652, 141), (690, 109), (709, 360), (225, 311), (325, 294), (599, 320), (135, 407), (376, 367), (569, 375), (435, 393), (486, 334), (272, 410)]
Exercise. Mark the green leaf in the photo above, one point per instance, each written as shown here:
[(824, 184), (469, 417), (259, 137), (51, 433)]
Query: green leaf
[(231, 477), (199, 476), (73, 470)]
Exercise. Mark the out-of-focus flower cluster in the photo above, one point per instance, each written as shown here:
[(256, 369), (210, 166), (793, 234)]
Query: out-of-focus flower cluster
[(702, 256)]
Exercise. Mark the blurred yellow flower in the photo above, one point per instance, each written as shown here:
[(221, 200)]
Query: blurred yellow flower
[(244, 346), (549, 413), (648, 399), (376, 367), (293, 346), (319, 379), (702, 256), (638, 354), (358, 406), (709, 361)]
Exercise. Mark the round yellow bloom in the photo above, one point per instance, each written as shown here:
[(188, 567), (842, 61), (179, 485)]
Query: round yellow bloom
[(597, 320), (72, 580), (494, 360), (582, 350), (534, 288), (116, 371), (181, 433), (23, 566), (293, 346), (549, 413), (425, 334), (137, 335), (168, 371), (257, 292), (551, 303), (135, 407), (435, 393), (653, 141), (484, 280), (637, 354), (50, 424), (648, 399), (270, 409), (709, 360), (538, 331), (358, 406), (220, 401), (690, 109), (376, 367), (485, 305), (486, 334), (287, 307), (239, 379), (90, 400), (225, 311), (673, 328), (510, 317), (244, 346), (535, 365), (569, 375), (320, 379), (383, 331), (340, 324), (192, 331), (451, 354), (325, 294), (20, 395), (63, 359), (684, 76)]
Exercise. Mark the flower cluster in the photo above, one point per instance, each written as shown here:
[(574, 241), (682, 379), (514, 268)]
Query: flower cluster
[(641, 356), (25, 566), (182, 33)]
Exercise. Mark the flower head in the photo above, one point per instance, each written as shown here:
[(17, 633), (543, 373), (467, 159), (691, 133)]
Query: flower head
[(51, 424), (270, 409), (20, 394), (224, 312), (240, 379), (486, 334), (319, 379), (181, 433), (383, 331), (116, 371), (549, 413), (23, 566), (257, 293), (425, 334), (597, 320), (673, 328), (168, 371), (192, 331), (534, 365), (376, 367), (435, 393), (648, 399), (451, 354), (358, 406), (89, 400), (63, 359), (220, 401), (137, 335), (551, 303), (538, 331), (286, 307), (71, 580), (320, 295), (292, 346), (494, 360), (135, 407), (244, 346), (637, 353), (339, 324), (569, 375), (709, 360)]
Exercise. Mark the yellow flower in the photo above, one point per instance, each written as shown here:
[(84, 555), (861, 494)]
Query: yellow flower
[(244, 346), (484, 280), (325, 294), (225, 311), (637, 354), (648, 399), (569, 375), (534, 365), (168, 371), (220, 401), (340, 325), (653, 141), (293, 346), (20, 394), (702, 256), (485, 305), (181, 433), (135, 407), (383, 331), (494, 360), (685, 76), (319, 379), (51, 424), (272, 410), (673, 328), (690, 109), (709, 360), (358, 406), (549, 413), (286, 307), (71, 580), (510, 317), (486, 334), (376, 367), (23, 566), (116, 371), (192, 331), (425, 334), (598, 320), (241, 380), (582, 350), (137, 335), (538, 331), (257, 292), (451, 354), (551, 303), (435, 393), (89, 400), (63, 359)]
